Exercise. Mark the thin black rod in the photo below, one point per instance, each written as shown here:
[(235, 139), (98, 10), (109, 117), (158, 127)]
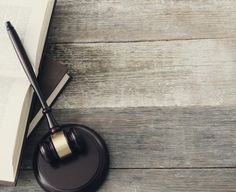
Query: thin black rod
[(25, 62)]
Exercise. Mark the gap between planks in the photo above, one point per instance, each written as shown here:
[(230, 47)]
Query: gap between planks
[(136, 41)]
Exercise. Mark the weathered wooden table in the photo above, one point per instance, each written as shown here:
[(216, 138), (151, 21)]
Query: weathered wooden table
[(157, 79)]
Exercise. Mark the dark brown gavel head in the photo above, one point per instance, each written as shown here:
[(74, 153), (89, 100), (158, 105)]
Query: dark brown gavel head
[(62, 144)]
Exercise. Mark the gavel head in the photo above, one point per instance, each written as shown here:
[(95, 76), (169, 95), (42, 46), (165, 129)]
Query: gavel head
[(61, 144)]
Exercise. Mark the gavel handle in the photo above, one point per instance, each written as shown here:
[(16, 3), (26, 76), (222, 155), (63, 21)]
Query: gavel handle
[(25, 62)]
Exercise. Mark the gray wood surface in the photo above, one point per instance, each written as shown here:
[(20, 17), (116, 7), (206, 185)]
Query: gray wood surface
[(163, 73), (157, 79), (146, 180), (154, 137), (142, 20)]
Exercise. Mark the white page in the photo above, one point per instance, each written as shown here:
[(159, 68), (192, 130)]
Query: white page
[(27, 16), (8, 62), (12, 96)]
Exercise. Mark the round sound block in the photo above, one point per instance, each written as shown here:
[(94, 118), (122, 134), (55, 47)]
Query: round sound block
[(82, 173)]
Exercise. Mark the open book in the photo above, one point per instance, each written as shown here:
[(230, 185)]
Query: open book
[(31, 19)]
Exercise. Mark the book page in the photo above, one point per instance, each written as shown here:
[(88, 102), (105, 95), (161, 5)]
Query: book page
[(27, 17), (12, 94), (8, 59), (5, 88)]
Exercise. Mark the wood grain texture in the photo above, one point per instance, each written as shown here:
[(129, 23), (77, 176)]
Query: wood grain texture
[(176, 73), (139, 20), (157, 80), (142, 180), (157, 137)]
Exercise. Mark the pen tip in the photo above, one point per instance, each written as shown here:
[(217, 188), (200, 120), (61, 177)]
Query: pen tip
[(8, 25)]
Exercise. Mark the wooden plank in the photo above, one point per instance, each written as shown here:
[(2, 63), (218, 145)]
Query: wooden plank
[(155, 137), (183, 180), (179, 73), (123, 20)]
